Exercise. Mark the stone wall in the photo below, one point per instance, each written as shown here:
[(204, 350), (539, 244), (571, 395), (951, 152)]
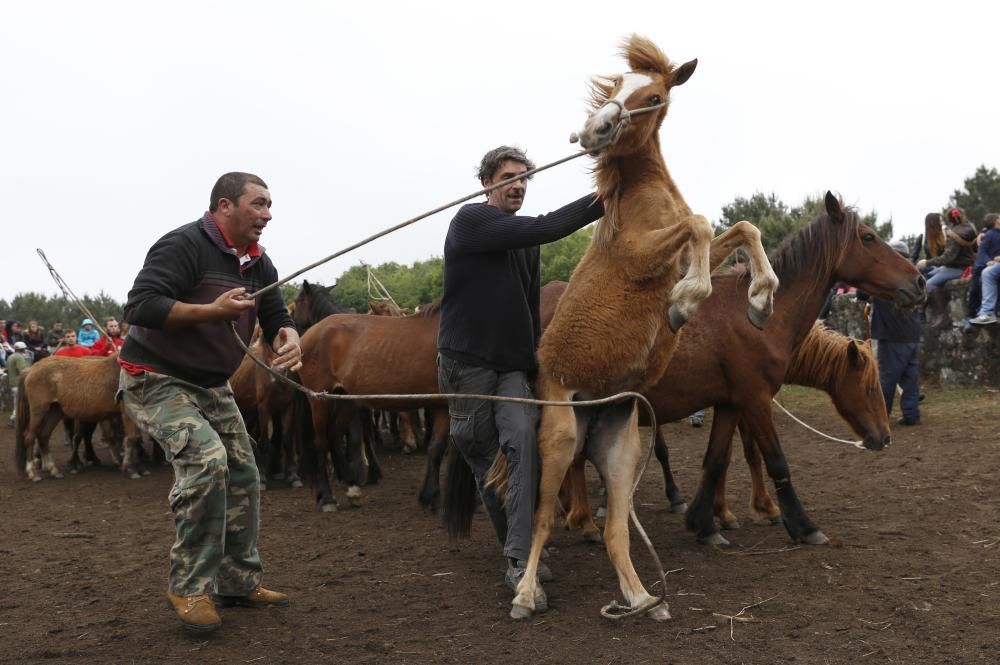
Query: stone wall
[(949, 355)]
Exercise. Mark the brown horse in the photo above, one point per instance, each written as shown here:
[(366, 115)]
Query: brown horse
[(79, 388), (363, 354), (610, 331), (843, 367)]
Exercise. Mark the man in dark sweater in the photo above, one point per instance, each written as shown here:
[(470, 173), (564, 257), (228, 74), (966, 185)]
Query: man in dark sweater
[(176, 363), (490, 327), (898, 335)]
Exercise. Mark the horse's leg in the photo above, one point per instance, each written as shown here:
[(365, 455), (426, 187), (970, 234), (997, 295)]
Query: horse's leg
[(763, 282), (762, 505), (320, 419), (614, 448), (700, 516), (131, 443), (557, 440), (290, 451), (407, 431), (720, 507), (49, 423), (696, 285), (577, 503), (430, 494), (73, 428), (677, 502), (798, 524), (347, 423), (263, 451), (374, 466)]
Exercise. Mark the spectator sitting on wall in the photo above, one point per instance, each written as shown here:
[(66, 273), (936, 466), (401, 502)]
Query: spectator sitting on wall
[(959, 254), (55, 336), (110, 343), (989, 253), (34, 338)]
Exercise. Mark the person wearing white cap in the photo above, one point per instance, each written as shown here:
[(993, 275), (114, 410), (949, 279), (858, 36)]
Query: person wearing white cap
[(16, 363)]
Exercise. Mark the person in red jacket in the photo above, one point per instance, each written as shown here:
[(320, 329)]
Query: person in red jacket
[(71, 348), (110, 343)]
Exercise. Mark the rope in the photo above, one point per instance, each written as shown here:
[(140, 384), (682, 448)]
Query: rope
[(69, 295), (381, 293), (613, 610), (856, 444), (625, 119)]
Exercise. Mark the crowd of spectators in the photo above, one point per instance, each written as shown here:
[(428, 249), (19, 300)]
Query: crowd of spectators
[(35, 343)]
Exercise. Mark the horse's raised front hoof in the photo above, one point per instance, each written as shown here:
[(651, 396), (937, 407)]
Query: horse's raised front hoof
[(817, 537), (713, 539), (327, 507), (659, 612), (758, 317), (675, 319), (679, 508)]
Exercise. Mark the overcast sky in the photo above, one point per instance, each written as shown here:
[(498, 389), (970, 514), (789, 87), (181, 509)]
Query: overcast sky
[(117, 118)]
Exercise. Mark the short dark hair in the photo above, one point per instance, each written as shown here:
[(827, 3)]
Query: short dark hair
[(990, 219), (230, 186), (494, 158)]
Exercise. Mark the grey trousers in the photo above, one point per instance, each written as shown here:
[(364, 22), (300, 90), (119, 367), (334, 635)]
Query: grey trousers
[(479, 429)]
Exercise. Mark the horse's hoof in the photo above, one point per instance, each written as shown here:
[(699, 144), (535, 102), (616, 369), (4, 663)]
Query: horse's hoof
[(56, 474), (592, 536), (730, 525), (296, 483), (145, 472), (660, 612), (817, 537), (680, 507), (74, 471), (602, 512), (520, 612), (675, 319), (354, 496), (134, 475), (758, 317), (328, 508), (713, 539), (36, 479)]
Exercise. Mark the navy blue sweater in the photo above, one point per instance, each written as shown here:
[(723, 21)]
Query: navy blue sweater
[(489, 310), (192, 264)]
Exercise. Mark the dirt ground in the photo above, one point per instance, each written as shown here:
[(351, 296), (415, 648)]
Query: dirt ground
[(912, 575)]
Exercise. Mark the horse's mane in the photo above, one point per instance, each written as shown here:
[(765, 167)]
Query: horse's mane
[(822, 358), (642, 55), (797, 255)]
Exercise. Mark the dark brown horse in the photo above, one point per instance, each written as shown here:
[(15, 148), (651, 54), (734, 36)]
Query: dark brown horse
[(363, 354), (845, 368)]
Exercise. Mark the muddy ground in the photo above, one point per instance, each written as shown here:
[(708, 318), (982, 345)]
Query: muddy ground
[(912, 575)]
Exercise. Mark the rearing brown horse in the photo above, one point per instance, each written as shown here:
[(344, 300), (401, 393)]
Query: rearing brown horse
[(610, 331)]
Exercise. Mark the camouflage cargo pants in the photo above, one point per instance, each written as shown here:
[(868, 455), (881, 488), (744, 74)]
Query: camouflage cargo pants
[(216, 494)]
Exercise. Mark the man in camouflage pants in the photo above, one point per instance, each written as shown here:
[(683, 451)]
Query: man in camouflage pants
[(176, 363)]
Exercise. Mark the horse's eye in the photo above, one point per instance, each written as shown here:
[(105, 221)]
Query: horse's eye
[(868, 238), (654, 100)]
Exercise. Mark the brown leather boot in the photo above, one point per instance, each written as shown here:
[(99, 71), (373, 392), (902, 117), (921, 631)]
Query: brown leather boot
[(259, 597), (197, 613)]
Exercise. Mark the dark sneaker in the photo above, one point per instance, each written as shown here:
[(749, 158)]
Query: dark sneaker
[(513, 577), (697, 419), (908, 422)]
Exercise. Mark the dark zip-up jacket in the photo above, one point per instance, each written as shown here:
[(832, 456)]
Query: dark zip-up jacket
[(959, 247), (489, 310), (193, 264)]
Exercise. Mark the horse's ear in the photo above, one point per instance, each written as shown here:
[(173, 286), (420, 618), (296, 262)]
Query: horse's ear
[(305, 285), (684, 72), (853, 354), (833, 207)]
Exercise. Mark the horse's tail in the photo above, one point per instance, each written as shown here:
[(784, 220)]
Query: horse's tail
[(23, 415), (302, 435), (497, 476), (459, 496)]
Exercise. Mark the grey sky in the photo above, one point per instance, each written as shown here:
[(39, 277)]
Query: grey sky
[(118, 117)]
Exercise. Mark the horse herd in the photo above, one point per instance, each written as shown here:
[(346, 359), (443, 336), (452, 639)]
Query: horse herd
[(642, 312)]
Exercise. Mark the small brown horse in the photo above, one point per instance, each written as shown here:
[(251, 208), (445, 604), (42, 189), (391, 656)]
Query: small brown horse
[(843, 367), (363, 354), (615, 327), (79, 388)]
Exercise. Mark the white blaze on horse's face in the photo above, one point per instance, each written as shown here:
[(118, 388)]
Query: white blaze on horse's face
[(601, 124)]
